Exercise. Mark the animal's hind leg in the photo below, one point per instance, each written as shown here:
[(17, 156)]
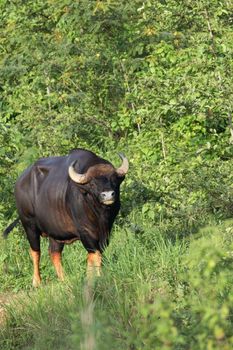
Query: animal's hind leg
[(33, 236), (55, 251), (35, 255)]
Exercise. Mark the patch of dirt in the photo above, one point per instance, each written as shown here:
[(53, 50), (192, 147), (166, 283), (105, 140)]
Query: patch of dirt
[(5, 299)]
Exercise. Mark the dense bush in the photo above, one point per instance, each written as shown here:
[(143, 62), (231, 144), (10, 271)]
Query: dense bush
[(150, 78)]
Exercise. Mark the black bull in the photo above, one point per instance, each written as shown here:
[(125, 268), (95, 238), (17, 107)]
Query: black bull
[(68, 198)]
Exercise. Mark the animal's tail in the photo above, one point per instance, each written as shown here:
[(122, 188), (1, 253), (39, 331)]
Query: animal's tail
[(10, 227)]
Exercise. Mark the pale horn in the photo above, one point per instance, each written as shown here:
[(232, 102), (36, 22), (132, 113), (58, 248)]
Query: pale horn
[(76, 177), (123, 169)]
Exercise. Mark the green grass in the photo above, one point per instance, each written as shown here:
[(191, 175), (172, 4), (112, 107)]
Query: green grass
[(154, 293)]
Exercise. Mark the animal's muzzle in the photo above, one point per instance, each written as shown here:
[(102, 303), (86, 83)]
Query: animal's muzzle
[(107, 197)]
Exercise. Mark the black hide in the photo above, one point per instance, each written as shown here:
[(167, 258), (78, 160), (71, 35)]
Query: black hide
[(50, 203)]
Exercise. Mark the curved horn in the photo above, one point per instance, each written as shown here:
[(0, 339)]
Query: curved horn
[(123, 169), (76, 177)]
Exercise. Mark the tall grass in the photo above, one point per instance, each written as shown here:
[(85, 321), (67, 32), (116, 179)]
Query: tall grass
[(154, 293)]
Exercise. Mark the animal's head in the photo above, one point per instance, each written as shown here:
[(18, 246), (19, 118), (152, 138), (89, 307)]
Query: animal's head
[(102, 180)]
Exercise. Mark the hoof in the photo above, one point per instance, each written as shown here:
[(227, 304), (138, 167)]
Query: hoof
[(36, 282)]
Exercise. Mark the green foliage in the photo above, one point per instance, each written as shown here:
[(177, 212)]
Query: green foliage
[(152, 79), (133, 76)]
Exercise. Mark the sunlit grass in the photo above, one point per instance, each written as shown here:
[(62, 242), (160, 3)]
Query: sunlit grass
[(174, 295)]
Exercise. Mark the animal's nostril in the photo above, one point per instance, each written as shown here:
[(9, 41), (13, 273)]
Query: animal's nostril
[(108, 195)]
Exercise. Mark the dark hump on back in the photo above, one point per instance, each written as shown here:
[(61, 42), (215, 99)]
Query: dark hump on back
[(85, 159), (55, 167), (50, 161)]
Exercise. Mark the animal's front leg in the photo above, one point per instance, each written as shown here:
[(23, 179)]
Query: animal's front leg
[(94, 264), (55, 251), (94, 256), (56, 260)]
